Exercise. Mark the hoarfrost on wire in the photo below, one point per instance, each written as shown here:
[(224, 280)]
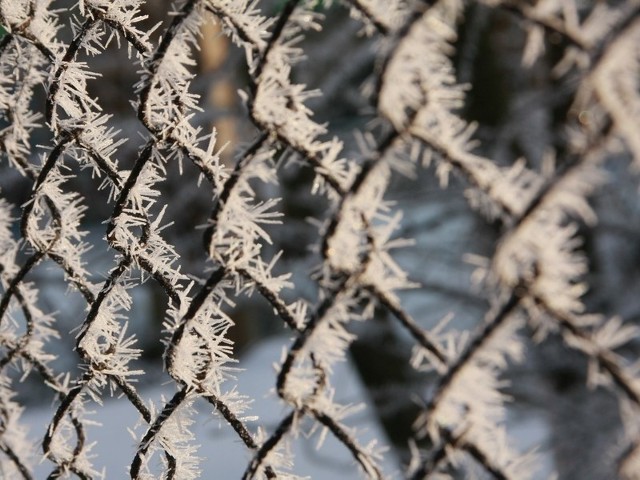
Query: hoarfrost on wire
[(54, 126)]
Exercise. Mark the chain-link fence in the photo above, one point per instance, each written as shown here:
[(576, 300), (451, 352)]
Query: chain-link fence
[(122, 133)]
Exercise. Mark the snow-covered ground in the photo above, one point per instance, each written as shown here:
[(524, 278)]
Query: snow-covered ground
[(223, 455)]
